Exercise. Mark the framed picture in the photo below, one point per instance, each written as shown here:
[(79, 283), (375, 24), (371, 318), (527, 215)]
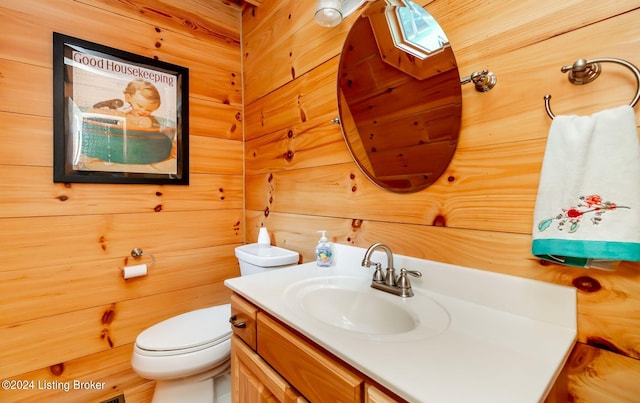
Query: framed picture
[(118, 117)]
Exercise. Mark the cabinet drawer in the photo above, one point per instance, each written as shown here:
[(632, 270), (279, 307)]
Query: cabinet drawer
[(314, 373), (243, 319)]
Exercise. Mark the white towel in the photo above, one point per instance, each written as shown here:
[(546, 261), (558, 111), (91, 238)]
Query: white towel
[(588, 206)]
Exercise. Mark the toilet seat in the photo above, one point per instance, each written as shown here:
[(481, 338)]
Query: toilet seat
[(185, 345), (185, 333)]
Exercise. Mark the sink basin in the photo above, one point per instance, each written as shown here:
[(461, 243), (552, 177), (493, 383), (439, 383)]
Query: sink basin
[(350, 304), (357, 311)]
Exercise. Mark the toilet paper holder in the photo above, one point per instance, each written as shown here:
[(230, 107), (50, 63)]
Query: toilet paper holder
[(138, 270), (137, 253)]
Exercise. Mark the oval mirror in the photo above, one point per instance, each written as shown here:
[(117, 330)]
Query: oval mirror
[(399, 96)]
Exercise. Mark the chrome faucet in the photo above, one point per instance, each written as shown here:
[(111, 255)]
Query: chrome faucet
[(390, 277), (388, 282)]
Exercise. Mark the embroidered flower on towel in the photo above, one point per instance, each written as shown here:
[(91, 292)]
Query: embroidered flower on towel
[(570, 218)]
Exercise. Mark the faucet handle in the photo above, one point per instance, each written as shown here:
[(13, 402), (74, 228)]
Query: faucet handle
[(403, 280), (378, 276)]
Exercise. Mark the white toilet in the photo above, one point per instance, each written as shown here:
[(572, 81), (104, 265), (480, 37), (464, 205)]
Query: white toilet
[(189, 354)]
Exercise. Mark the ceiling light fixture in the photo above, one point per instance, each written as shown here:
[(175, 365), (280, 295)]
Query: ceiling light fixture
[(330, 13)]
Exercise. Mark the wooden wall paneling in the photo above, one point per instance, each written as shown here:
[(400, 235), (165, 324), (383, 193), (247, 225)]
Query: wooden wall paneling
[(29, 142), (295, 147), (289, 48), (43, 241), (85, 284), (608, 307), (497, 252), (299, 50), (26, 40), (25, 89), (21, 41), (26, 190), (457, 246), (208, 62), (254, 2), (205, 191), (514, 109), (27, 346), (473, 193), (258, 17), (335, 190), (297, 117), (597, 375), (140, 394), (211, 119), (504, 27), (514, 181), (267, 46), (210, 20), (209, 154), (310, 100), (114, 366)]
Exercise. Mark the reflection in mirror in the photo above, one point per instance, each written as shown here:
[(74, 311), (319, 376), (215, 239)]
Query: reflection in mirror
[(400, 114), (415, 31)]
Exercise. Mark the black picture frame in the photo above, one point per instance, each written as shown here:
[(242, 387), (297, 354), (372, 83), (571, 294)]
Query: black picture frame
[(118, 117)]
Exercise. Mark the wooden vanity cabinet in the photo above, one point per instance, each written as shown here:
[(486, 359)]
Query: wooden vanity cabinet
[(253, 380), (272, 363)]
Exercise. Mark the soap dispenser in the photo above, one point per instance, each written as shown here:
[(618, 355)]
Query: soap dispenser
[(324, 251)]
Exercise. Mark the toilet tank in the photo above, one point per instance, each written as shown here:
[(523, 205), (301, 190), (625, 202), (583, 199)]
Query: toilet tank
[(256, 258)]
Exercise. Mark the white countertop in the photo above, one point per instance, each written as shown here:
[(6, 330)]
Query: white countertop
[(505, 338)]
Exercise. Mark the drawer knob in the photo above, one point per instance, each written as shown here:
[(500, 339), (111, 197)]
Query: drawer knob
[(233, 320)]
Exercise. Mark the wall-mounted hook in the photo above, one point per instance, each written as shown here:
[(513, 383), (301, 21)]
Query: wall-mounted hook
[(483, 80)]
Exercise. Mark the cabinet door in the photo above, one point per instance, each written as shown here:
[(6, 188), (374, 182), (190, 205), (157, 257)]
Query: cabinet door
[(254, 381), (315, 373), (375, 395)]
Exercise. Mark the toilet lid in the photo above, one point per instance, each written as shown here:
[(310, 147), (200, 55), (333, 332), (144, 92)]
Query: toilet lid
[(188, 330)]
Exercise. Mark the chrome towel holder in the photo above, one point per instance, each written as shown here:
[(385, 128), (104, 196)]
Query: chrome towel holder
[(584, 71)]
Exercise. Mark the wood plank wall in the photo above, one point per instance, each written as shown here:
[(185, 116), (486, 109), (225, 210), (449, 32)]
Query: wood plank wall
[(300, 177), (65, 312)]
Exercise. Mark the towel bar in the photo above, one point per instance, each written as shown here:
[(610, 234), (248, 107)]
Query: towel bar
[(584, 71)]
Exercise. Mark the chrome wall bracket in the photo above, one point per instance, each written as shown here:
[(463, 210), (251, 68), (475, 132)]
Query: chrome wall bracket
[(581, 72), (483, 80)]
